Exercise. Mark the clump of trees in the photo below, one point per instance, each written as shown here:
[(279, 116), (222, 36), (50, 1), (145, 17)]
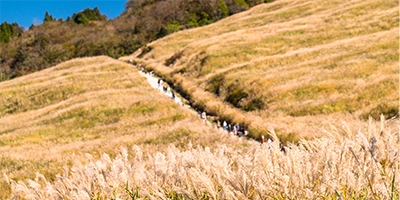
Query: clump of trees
[(48, 17), (88, 15), (8, 31), (89, 33)]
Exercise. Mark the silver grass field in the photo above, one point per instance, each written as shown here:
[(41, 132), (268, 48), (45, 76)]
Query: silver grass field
[(342, 165)]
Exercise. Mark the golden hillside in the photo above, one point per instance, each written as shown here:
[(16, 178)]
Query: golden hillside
[(97, 105), (295, 66)]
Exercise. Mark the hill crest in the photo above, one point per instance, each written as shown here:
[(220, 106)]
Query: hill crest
[(288, 65)]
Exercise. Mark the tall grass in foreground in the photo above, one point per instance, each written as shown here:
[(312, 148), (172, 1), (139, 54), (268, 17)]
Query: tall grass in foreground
[(339, 166)]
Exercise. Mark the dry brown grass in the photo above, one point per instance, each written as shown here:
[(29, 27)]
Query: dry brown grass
[(89, 105), (313, 63), (341, 165)]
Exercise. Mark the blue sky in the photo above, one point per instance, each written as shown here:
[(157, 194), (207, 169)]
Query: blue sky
[(28, 12)]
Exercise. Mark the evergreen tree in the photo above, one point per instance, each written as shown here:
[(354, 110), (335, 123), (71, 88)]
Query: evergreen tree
[(87, 15), (7, 31), (223, 10), (48, 17)]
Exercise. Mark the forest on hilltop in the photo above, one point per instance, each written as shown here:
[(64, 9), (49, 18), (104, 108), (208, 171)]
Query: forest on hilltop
[(89, 33)]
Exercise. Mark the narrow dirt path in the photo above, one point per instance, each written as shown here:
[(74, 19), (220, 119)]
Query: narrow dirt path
[(153, 81)]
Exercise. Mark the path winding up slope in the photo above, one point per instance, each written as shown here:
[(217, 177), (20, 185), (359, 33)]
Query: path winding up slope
[(97, 105), (295, 66)]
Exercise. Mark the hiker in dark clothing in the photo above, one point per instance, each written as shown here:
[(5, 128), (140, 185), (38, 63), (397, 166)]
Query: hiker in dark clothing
[(237, 129), (172, 95), (282, 148)]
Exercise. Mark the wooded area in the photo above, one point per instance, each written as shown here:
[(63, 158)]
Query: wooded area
[(89, 33)]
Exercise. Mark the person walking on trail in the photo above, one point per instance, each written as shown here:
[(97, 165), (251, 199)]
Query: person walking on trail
[(269, 143), (204, 117), (225, 125), (262, 139), (160, 85), (237, 128), (282, 148), (168, 92), (218, 124), (172, 95)]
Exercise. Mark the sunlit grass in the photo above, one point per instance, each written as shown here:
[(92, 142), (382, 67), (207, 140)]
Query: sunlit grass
[(330, 167), (301, 58), (87, 105), (312, 64)]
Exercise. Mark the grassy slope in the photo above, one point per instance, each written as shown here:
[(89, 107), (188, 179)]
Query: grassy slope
[(89, 105), (313, 63)]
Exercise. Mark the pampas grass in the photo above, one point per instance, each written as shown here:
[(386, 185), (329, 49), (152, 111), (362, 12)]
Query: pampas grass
[(356, 165)]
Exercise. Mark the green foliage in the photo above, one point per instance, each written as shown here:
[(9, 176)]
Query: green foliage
[(235, 93), (87, 15), (381, 109), (215, 84), (205, 19), (342, 105), (87, 117), (11, 107), (223, 10), (48, 17), (192, 21), (3, 77), (133, 194), (143, 21), (241, 2), (10, 103), (173, 26), (173, 118), (171, 194), (309, 92), (254, 104), (141, 108), (7, 31), (289, 137)]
